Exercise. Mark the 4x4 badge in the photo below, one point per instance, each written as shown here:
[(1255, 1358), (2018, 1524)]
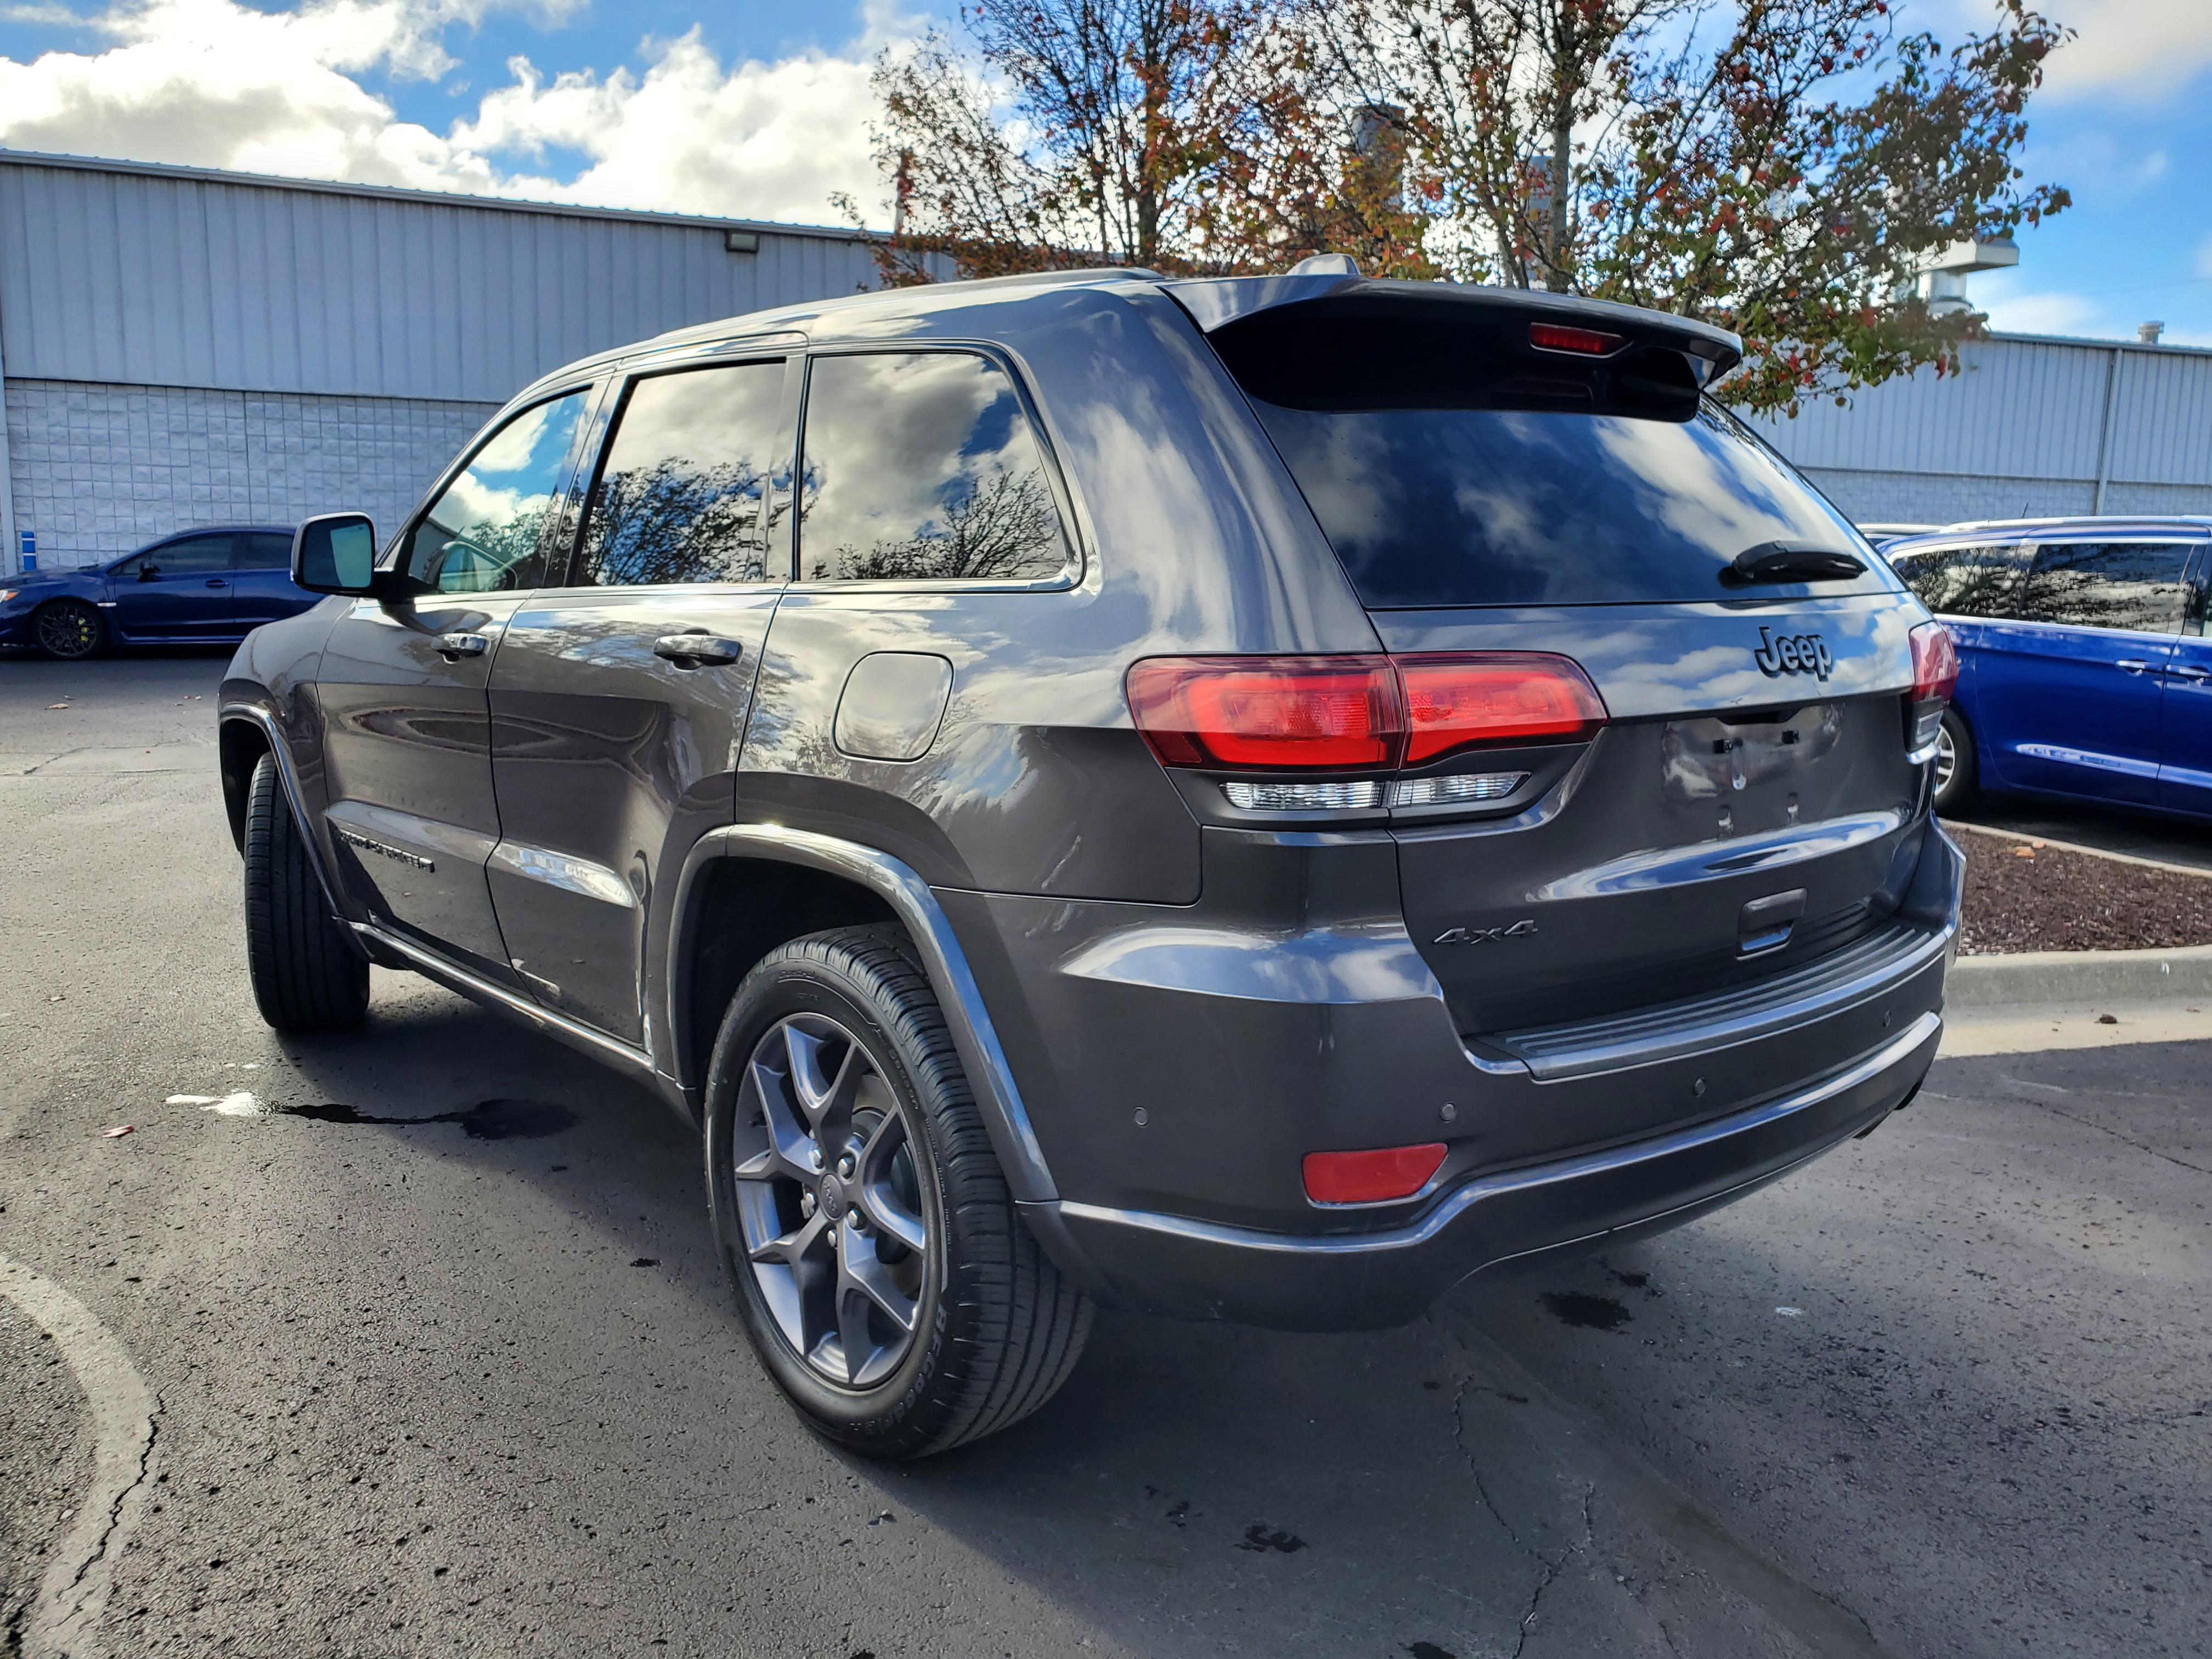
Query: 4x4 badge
[(1520, 929), (1793, 653)]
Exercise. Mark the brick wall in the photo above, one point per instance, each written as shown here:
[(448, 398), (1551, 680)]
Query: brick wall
[(97, 471)]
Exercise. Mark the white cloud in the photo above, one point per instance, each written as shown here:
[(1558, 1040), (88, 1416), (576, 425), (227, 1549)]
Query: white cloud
[(2049, 312), (215, 83), (2146, 48)]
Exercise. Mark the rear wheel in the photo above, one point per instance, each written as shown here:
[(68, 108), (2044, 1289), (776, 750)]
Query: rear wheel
[(885, 1279), (306, 975), (1954, 763), (69, 629)]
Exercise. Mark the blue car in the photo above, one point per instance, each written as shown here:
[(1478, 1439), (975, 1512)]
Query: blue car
[(199, 586), (2083, 667)]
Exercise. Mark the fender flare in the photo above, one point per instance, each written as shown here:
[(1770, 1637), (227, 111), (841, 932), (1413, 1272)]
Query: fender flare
[(289, 777), (966, 1018)]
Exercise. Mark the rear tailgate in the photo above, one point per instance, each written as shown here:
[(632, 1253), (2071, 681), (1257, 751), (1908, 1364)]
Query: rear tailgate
[(1725, 826), (1529, 474)]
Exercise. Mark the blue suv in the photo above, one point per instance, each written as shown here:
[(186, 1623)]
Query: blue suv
[(211, 586), (2083, 667)]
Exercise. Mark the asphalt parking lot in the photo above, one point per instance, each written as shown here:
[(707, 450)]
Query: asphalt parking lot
[(442, 1364)]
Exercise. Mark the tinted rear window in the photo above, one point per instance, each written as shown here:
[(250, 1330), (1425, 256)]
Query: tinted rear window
[(1452, 464)]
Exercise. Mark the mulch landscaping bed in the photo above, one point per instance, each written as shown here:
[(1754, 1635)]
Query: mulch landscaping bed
[(2024, 896)]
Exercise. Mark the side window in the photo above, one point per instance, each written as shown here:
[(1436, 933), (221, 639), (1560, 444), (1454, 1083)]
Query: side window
[(2130, 585), (192, 554), (265, 552), (688, 490), (482, 534), (1963, 581), (921, 466)]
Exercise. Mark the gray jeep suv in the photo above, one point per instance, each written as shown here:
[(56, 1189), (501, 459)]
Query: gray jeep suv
[(1251, 798)]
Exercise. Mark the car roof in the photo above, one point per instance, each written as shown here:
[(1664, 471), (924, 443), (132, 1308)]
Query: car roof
[(1212, 302)]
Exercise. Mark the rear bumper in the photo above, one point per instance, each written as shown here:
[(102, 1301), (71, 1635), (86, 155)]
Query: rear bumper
[(1178, 1064), (1196, 1269)]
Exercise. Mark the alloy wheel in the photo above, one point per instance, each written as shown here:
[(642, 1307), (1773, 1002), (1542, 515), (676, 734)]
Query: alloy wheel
[(68, 629), (1947, 760), (830, 1197)]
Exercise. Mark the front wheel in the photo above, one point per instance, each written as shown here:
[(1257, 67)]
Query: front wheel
[(1954, 764), (307, 976), (886, 1280), (69, 629)]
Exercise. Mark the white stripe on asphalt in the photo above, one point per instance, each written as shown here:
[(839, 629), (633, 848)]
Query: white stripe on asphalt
[(73, 1595)]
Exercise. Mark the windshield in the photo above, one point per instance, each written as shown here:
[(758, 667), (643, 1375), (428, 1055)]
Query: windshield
[(1485, 507)]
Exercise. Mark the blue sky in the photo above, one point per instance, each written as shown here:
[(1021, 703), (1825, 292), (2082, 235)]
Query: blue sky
[(760, 110)]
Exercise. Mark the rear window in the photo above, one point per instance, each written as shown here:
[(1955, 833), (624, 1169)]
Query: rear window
[(1454, 466)]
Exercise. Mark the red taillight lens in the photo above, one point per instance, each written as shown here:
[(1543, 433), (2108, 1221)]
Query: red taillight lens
[(1935, 664), (1498, 697), (1355, 712), (1371, 1177), (1268, 714), (1558, 337)]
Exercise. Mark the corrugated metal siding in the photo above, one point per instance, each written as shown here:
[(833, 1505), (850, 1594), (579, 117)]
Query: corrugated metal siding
[(126, 278), (2021, 409)]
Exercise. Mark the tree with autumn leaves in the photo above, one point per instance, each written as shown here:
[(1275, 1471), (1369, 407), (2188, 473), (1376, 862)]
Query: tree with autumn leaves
[(1783, 169)]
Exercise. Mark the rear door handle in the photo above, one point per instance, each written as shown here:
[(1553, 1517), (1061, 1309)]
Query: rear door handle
[(2186, 671), (697, 650), (2133, 665), (217, 581), (451, 645)]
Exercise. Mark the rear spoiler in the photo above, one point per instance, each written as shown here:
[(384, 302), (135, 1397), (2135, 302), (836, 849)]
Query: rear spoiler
[(1215, 303)]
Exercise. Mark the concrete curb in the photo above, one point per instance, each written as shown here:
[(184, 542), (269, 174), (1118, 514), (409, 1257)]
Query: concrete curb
[(2076, 977)]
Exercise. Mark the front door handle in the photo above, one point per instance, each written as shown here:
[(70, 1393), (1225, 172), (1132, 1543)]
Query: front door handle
[(217, 581), (2186, 671), (453, 646), (2133, 665), (697, 650)]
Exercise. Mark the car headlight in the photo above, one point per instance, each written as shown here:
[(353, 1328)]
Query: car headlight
[(9, 594)]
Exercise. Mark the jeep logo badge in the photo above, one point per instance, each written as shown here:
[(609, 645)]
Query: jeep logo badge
[(1793, 653)]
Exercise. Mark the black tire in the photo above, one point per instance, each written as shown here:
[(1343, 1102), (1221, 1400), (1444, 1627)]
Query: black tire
[(1955, 754), (307, 976), (994, 1330), (68, 629)]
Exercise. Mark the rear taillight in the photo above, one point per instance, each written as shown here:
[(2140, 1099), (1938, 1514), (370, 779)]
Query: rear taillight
[(1935, 663), (1363, 714), (1268, 714), (1935, 675), (1453, 701), (1371, 1177)]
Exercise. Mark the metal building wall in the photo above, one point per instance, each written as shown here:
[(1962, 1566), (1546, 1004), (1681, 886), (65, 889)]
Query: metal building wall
[(147, 277), (181, 346), (2029, 425)]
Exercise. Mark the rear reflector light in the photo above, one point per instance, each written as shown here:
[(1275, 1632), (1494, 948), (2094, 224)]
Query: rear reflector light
[(1371, 1177), (1355, 712), (1558, 337), (1935, 664)]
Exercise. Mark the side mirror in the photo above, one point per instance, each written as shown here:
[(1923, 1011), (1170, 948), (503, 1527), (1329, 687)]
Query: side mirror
[(336, 553)]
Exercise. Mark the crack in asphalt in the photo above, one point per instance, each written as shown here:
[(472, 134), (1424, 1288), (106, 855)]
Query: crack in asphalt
[(99, 1553), (2090, 1123), (63, 1615), (1823, 1625)]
